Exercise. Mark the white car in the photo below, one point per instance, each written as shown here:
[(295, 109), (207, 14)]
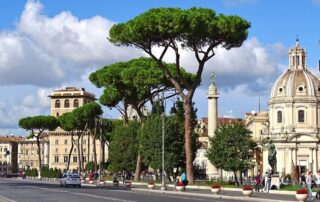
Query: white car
[(70, 179)]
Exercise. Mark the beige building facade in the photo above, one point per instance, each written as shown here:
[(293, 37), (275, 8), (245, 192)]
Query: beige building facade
[(68, 99), (28, 153), (56, 145), (8, 155)]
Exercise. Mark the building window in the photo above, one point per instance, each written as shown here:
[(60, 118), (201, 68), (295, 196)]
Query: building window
[(65, 141), (75, 159), (58, 114), (300, 116), (65, 159), (76, 103), (74, 150), (57, 142), (57, 105), (56, 159), (65, 150), (298, 60), (57, 150), (279, 119), (66, 104), (85, 159)]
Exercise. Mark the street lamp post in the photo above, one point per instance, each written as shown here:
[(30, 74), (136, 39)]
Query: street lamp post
[(101, 144), (163, 185)]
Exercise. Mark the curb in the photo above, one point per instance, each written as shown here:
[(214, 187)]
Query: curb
[(239, 198)]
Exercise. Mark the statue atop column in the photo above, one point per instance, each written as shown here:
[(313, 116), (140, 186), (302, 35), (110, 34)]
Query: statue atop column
[(213, 79)]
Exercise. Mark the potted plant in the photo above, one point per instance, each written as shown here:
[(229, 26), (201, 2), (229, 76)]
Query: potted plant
[(247, 191), (151, 184), (180, 186), (215, 189), (302, 194), (128, 183), (115, 182)]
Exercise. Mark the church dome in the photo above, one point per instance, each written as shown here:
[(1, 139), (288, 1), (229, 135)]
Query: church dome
[(297, 81)]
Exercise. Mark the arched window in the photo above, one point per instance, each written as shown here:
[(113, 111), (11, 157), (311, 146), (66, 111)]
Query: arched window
[(279, 116), (57, 105), (66, 104), (300, 116), (298, 60), (76, 103)]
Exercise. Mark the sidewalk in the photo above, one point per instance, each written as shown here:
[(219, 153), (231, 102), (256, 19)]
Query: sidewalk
[(226, 193)]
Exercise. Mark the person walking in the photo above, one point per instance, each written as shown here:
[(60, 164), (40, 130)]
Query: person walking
[(269, 176), (309, 185), (318, 184), (303, 180), (258, 182), (184, 179)]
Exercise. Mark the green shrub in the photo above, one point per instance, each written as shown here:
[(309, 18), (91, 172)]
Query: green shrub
[(90, 166)]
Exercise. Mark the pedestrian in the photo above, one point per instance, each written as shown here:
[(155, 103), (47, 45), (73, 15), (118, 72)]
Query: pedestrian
[(303, 180), (318, 184), (269, 176), (184, 179), (258, 182), (309, 185), (263, 182)]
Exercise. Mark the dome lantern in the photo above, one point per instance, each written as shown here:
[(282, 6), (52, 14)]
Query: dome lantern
[(297, 57)]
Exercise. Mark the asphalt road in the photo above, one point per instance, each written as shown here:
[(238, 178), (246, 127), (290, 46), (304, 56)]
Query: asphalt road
[(25, 191)]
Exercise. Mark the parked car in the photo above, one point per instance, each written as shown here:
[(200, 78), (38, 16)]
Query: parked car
[(70, 179)]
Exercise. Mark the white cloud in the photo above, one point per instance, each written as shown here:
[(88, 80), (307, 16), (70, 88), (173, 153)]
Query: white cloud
[(233, 3), (40, 99), (253, 64), (317, 2), (46, 51)]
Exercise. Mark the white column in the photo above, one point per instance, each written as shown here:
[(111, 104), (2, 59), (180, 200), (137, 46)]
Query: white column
[(294, 155), (310, 159), (315, 160), (265, 161), (283, 169), (289, 162)]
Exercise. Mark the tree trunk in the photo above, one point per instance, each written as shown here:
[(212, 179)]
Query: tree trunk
[(70, 152), (138, 169), (235, 178), (241, 180), (187, 105), (94, 152), (88, 142), (39, 154), (79, 153), (82, 160)]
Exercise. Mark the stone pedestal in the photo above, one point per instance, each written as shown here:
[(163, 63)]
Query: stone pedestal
[(275, 180)]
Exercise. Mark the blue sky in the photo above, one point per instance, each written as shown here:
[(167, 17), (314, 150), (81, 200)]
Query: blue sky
[(47, 45)]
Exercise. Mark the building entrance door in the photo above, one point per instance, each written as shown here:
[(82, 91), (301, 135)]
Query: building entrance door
[(302, 166)]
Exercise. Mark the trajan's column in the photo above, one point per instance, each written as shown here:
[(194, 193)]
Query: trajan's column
[(212, 121)]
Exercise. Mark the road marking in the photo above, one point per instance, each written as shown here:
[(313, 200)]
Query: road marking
[(162, 194), (4, 199), (83, 194)]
